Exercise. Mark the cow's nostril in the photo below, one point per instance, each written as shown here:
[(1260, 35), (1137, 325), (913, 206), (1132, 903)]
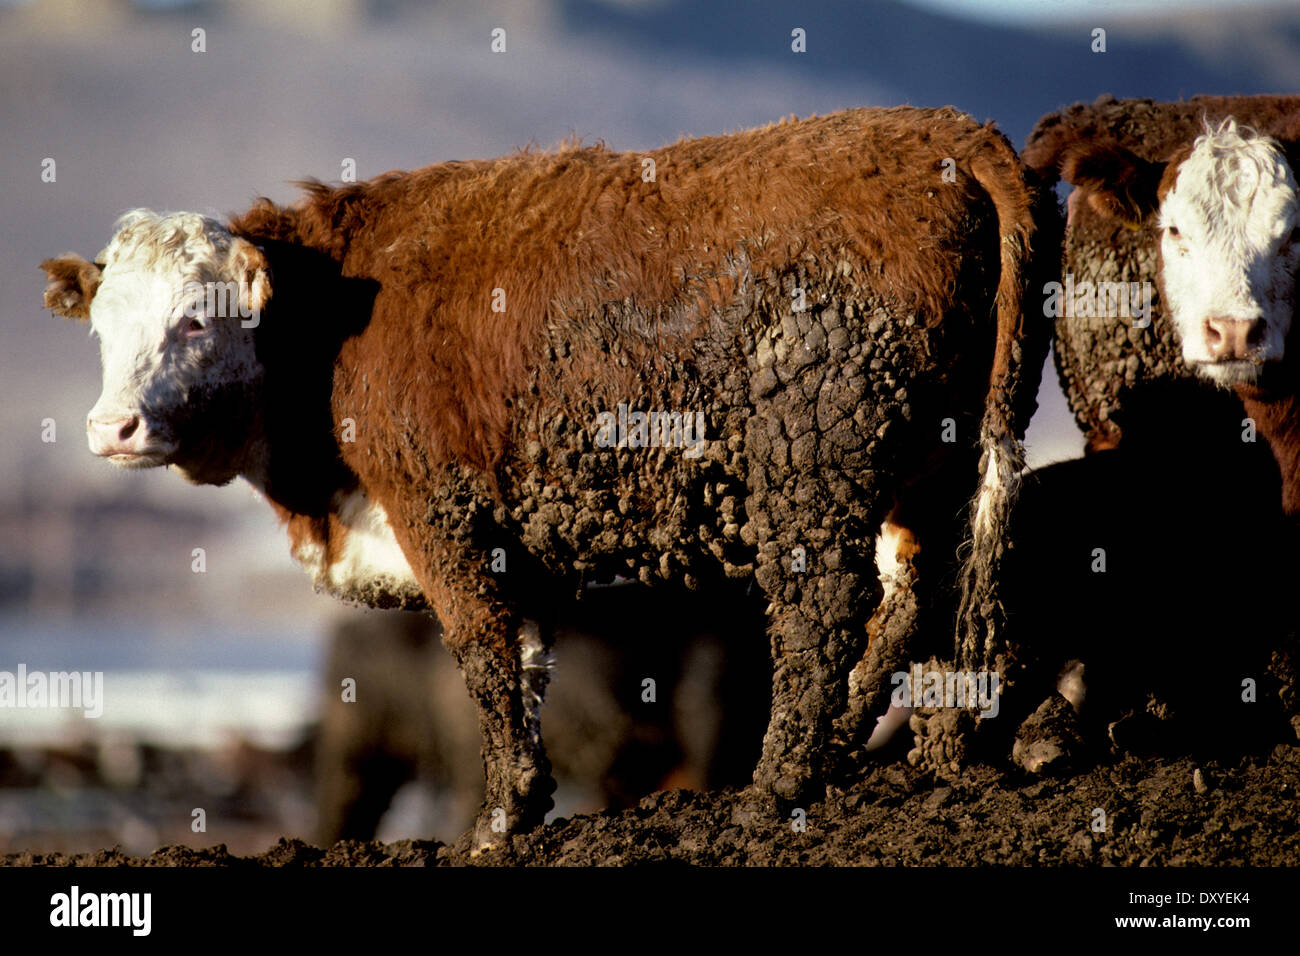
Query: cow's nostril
[(129, 427), (1213, 337), (1229, 340)]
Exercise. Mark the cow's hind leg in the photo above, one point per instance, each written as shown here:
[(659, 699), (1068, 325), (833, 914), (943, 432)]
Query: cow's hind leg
[(866, 719), (820, 593), (916, 559)]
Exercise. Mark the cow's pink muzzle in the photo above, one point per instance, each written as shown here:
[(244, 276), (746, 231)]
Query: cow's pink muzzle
[(124, 439)]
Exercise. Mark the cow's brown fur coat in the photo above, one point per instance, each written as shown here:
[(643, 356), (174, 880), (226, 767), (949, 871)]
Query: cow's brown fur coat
[(474, 428)]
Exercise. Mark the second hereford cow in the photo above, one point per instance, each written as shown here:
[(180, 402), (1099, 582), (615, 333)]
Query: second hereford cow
[(1125, 364), (1225, 206)]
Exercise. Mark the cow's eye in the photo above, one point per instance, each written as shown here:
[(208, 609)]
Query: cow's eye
[(1173, 232), (195, 326)]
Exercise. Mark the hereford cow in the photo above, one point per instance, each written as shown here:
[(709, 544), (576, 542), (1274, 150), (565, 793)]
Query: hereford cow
[(1226, 208), (765, 356), (1124, 358)]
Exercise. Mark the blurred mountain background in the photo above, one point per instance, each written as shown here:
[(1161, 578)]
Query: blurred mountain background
[(95, 563)]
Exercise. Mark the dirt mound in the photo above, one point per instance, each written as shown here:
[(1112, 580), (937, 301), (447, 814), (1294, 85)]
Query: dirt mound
[(1135, 811)]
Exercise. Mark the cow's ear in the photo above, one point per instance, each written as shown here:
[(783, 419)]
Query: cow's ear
[(247, 265), (72, 282), (1115, 182), (1291, 150), (1286, 134)]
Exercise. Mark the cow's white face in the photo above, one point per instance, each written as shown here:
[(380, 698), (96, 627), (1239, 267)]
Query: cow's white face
[(1230, 250), (175, 311)]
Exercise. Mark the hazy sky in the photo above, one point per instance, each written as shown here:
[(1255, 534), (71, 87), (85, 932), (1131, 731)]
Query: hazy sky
[(1002, 10), (1031, 10)]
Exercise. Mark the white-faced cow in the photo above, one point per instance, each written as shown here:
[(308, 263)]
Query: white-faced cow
[(1114, 347), (1228, 215), (481, 384)]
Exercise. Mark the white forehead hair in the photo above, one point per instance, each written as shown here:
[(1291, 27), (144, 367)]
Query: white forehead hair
[(1232, 176), (184, 243)]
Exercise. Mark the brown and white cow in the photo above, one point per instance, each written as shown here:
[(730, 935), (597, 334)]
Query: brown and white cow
[(481, 384), (1118, 357), (1228, 213)]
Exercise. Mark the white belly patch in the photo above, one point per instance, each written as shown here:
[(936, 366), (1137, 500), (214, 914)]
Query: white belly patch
[(370, 567)]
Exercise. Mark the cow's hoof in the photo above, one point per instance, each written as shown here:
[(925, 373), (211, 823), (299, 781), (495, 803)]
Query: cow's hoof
[(791, 781), (942, 739), (1049, 740), (494, 828), (518, 807), (488, 834)]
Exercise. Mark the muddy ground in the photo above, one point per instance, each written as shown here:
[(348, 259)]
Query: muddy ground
[(1159, 812)]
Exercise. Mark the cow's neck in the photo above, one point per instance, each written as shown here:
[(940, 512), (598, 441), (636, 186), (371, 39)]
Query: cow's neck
[(337, 532), (339, 535), (297, 480)]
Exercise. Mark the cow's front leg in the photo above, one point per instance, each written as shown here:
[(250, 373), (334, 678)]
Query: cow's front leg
[(504, 662), (505, 671), (502, 659)]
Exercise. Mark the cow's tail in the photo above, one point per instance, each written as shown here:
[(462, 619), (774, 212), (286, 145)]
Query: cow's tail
[(1026, 217)]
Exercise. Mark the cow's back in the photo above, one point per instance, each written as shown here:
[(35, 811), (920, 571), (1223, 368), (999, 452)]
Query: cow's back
[(810, 293), (818, 293)]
